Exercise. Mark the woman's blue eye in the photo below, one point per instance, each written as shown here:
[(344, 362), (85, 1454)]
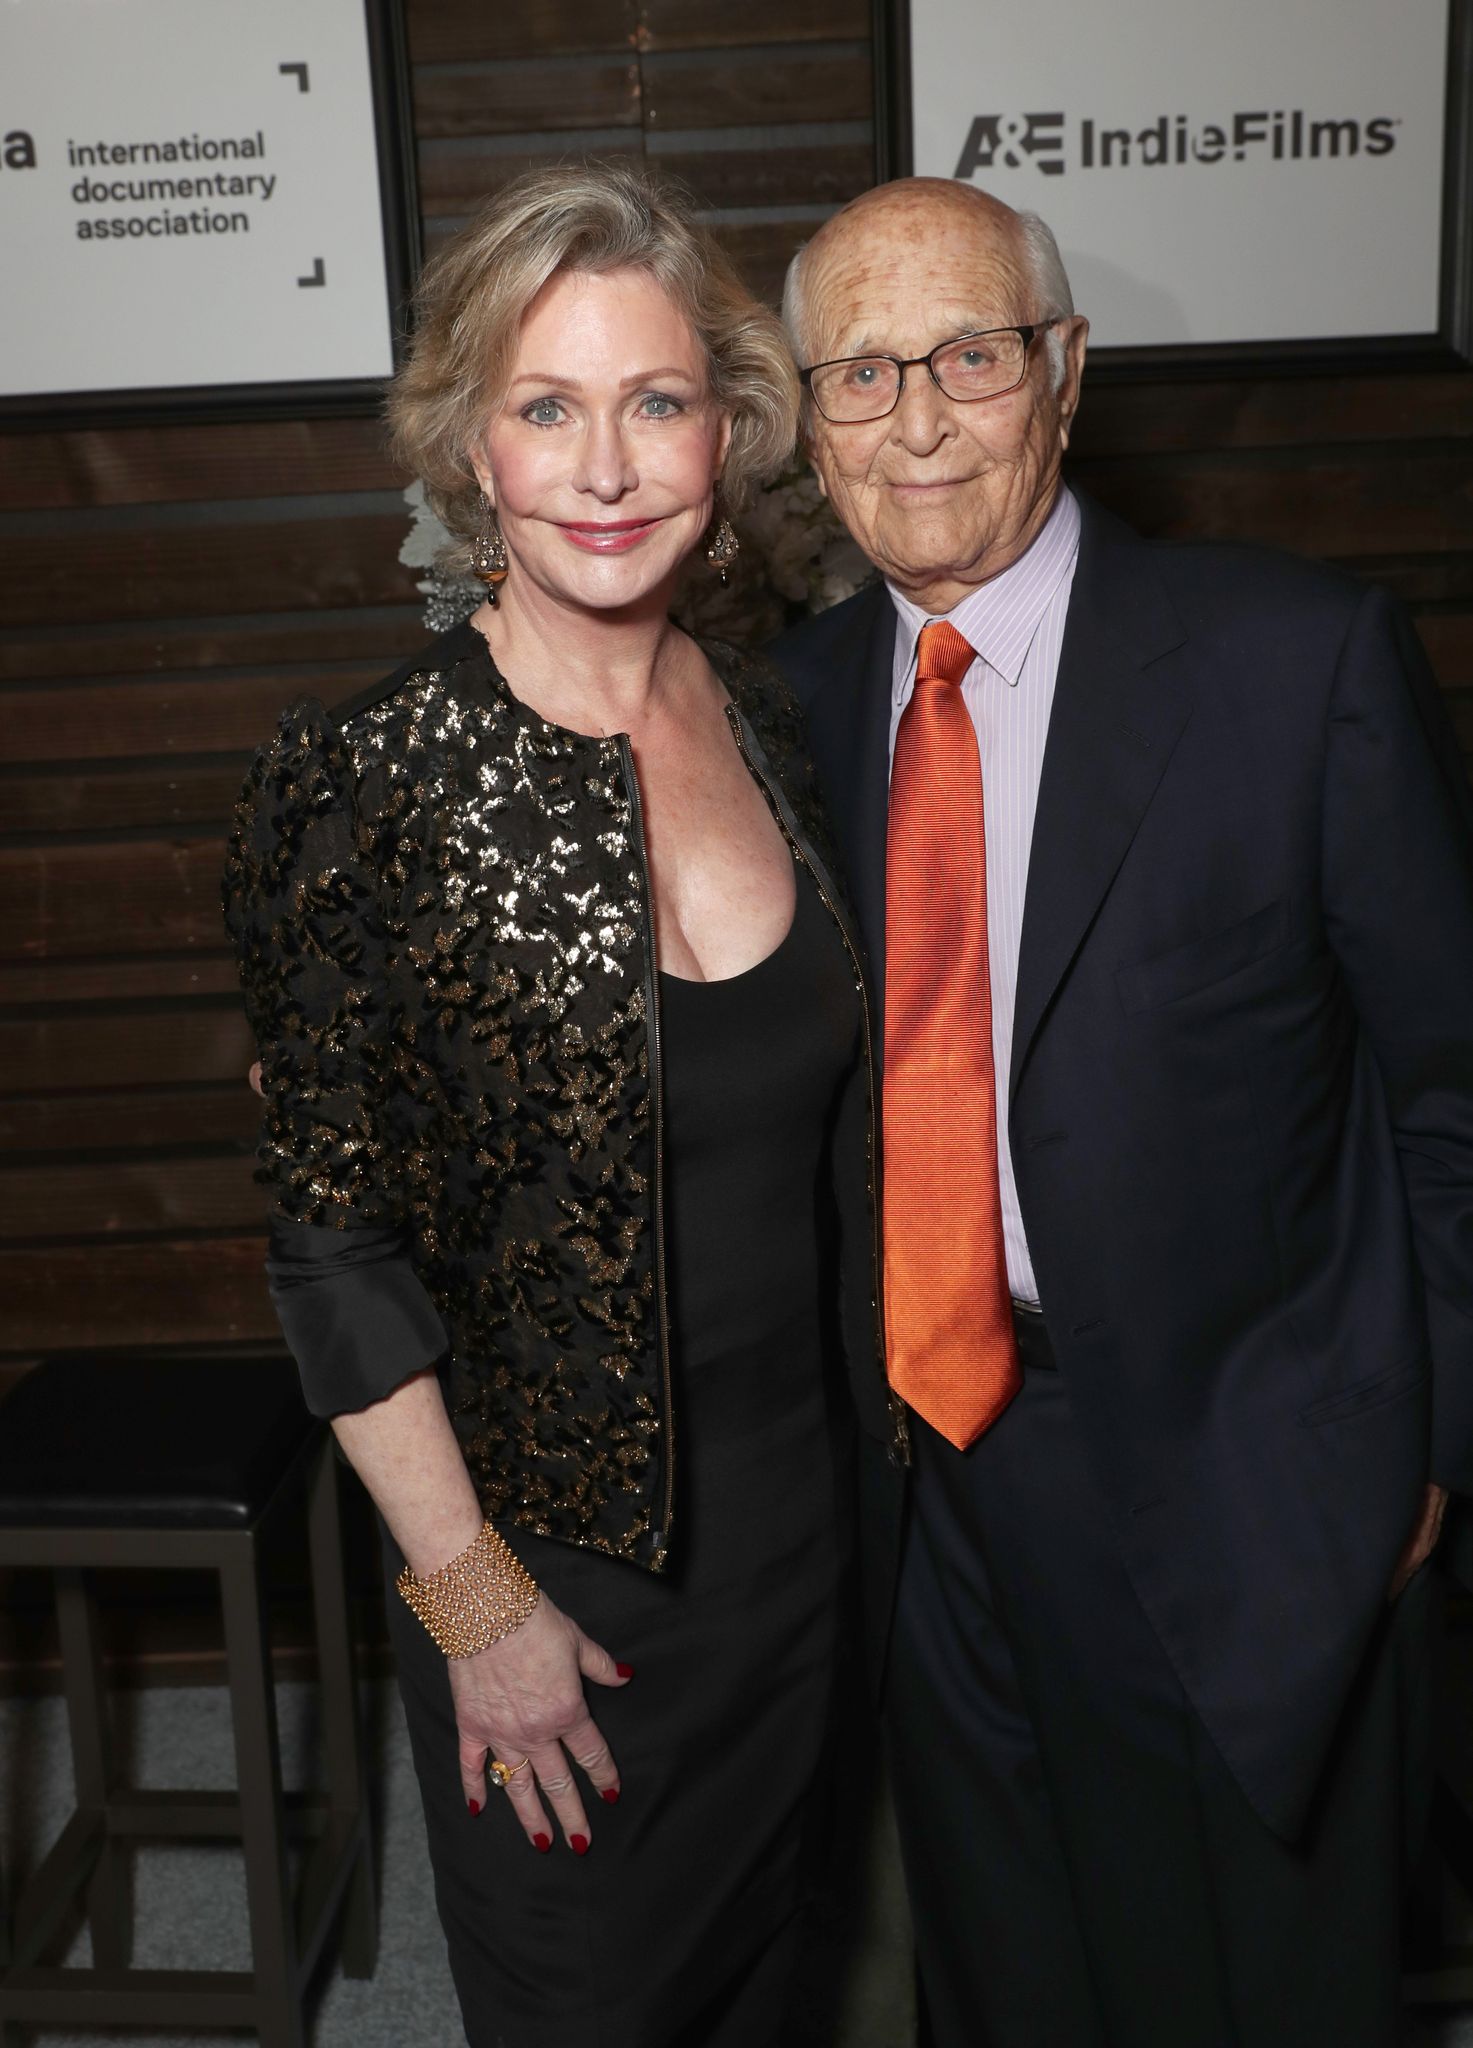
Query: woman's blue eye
[(542, 412), (668, 406)]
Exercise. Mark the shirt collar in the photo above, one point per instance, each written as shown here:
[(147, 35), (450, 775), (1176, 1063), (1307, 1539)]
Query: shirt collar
[(1001, 617)]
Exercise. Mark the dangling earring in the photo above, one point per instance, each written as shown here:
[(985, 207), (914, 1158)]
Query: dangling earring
[(488, 552), (723, 547)]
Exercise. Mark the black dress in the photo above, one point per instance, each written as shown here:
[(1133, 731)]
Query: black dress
[(677, 1930)]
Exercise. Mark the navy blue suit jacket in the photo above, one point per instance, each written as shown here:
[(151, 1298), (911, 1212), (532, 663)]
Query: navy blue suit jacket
[(1241, 1108)]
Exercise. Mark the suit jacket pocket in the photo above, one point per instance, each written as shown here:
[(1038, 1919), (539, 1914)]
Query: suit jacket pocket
[(1199, 963), (1365, 1394)]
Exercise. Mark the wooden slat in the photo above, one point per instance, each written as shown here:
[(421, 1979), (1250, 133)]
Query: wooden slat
[(465, 31), (455, 178), (721, 25), (132, 1197), (119, 981), (1416, 579), (1343, 509), (1289, 412), (743, 88), (178, 571), (134, 1120), (144, 896), (159, 796), (115, 721), (151, 465), (762, 250), (1460, 710), (1448, 639), (101, 1296), (516, 98), (384, 637), (128, 1049), (805, 174), (204, 793)]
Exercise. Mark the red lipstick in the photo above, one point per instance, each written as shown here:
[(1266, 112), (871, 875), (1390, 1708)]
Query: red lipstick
[(607, 537)]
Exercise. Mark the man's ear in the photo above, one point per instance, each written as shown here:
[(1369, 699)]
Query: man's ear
[(1076, 347)]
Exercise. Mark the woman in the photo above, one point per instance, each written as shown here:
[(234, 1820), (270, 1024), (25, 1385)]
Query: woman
[(566, 1067)]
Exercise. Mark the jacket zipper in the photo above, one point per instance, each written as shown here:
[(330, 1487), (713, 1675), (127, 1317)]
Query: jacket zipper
[(657, 1118), (899, 1420)]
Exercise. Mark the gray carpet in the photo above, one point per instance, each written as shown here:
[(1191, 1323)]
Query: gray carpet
[(190, 1906), (190, 1902)]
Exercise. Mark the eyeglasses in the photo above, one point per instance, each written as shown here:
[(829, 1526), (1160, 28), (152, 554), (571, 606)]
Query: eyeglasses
[(988, 365)]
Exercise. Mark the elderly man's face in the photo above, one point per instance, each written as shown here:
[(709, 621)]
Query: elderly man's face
[(941, 494)]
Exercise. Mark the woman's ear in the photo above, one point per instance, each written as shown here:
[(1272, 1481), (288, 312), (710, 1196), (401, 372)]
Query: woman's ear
[(723, 445), (475, 455)]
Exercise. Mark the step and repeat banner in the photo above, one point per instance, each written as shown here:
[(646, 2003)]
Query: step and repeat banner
[(204, 199), (1270, 172)]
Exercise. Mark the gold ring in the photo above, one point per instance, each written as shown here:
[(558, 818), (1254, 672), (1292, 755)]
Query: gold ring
[(502, 1774)]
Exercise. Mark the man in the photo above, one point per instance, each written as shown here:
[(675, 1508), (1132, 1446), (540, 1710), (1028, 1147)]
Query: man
[(1166, 880)]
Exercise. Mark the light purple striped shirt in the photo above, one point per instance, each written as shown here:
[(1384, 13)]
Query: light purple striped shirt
[(1016, 624)]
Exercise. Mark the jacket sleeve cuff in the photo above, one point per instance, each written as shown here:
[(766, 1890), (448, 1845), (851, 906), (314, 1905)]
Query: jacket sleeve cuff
[(354, 1313)]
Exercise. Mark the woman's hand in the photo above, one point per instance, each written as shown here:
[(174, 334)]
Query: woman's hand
[(523, 1697)]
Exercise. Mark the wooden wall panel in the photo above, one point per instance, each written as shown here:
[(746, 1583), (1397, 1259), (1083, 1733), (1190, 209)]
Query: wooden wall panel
[(170, 465), (149, 896), (381, 633), (159, 1291), (731, 24), (168, 589), (208, 566), (738, 88), (473, 31), (158, 717), (512, 98)]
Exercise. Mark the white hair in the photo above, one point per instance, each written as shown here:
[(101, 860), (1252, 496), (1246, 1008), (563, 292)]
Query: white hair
[(1047, 277), (1050, 281)]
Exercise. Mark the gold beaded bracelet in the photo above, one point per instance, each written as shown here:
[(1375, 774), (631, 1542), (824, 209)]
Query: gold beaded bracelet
[(479, 1597)]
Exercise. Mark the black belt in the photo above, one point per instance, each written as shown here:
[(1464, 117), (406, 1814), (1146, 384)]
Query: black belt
[(1035, 1352)]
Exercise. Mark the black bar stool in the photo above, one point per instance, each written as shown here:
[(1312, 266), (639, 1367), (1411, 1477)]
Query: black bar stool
[(183, 1463)]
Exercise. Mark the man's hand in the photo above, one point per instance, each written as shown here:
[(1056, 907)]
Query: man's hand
[(1423, 1539)]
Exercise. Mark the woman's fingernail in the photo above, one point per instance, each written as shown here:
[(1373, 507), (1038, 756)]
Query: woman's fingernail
[(625, 1670), (610, 1795), (578, 1844), (542, 1843), (475, 1807)]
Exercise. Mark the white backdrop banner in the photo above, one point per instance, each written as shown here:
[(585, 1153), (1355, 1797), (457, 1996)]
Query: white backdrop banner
[(189, 195), (1270, 170)]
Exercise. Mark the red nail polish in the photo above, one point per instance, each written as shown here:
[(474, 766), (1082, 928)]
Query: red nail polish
[(610, 1795), (578, 1844), (475, 1807), (625, 1670), (542, 1843)]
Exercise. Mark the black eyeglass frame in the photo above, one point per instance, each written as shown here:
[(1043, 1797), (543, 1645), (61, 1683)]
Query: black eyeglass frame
[(1027, 332)]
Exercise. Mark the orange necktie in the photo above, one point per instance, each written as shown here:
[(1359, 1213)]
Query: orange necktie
[(948, 1313)]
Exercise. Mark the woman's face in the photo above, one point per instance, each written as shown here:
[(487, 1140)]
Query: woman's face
[(602, 459)]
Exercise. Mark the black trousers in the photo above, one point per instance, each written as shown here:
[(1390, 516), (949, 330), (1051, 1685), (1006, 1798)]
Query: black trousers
[(1084, 1870)]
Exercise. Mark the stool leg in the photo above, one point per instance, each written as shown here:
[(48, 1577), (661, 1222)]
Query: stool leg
[(263, 1827), (340, 1711), (94, 1761)]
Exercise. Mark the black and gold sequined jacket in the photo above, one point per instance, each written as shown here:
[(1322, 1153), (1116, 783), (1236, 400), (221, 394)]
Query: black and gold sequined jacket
[(441, 908)]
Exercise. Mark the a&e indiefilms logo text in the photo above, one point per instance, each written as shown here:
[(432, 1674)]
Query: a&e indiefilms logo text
[(1283, 135)]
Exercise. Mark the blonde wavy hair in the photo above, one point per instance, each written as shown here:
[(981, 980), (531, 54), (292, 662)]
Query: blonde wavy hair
[(475, 292)]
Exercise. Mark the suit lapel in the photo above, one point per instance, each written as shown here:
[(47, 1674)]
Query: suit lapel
[(849, 729), (1115, 719)]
